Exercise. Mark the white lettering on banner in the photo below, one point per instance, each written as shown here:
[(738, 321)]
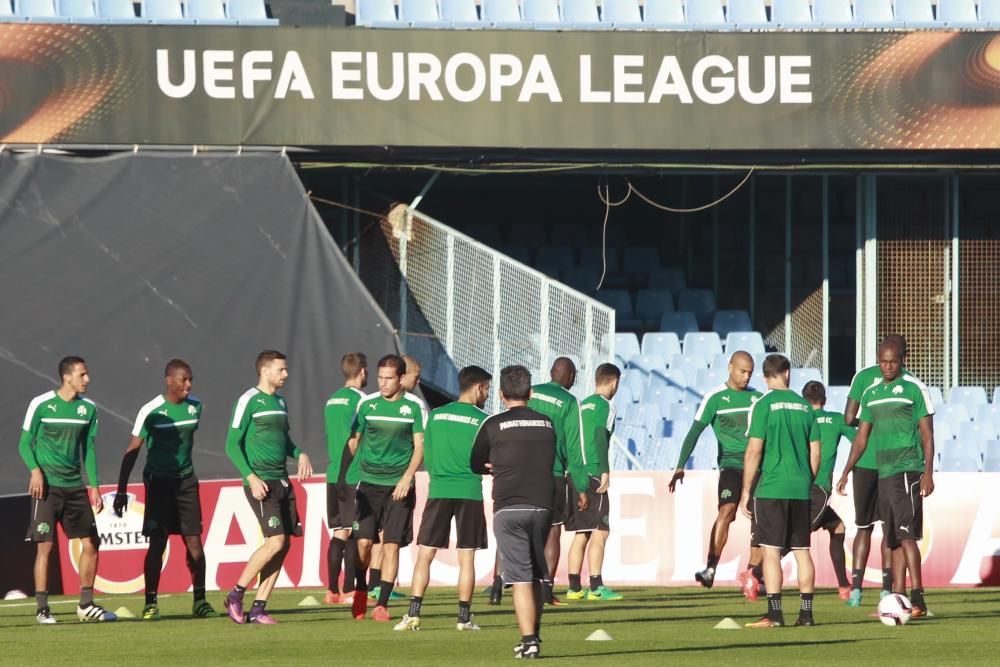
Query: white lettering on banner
[(340, 75), (689, 556), (539, 81), (624, 530), (451, 83), (218, 74), (395, 88), (790, 79), (981, 544), (670, 81), (624, 78), (505, 72), (587, 94), (722, 85), (743, 80), (423, 71), (314, 526)]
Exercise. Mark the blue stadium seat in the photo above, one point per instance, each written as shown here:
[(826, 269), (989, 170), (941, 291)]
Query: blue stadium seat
[(959, 456), (663, 396), (626, 345), (420, 13), (834, 14), (991, 456), (591, 256), (250, 12), (376, 14), (634, 439), (7, 14), (678, 322), (960, 14), (970, 397), (989, 13), (747, 14), (79, 11), (689, 364), (799, 376), (996, 395), (164, 12), (937, 398), (664, 14), (635, 381), (640, 260), (677, 428), (502, 14), (792, 14), (518, 252), (667, 277), (460, 13), (954, 414), (582, 278), (989, 413), (621, 14), (706, 452), (916, 14), (836, 397), (621, 301), (705, 14), (748, 341), (37, 11), (726, 321), (675, 378), (483, 232), (647, 363), (708, 378), (682, 412), (943, 429), (977, 432), (556, 256), (720, 362), (208, 12), (542, 14), (661, 454), (664, 343), (704, 344), (701, 302), (650, 304), (582, 15), (757, 381), (875, 14)]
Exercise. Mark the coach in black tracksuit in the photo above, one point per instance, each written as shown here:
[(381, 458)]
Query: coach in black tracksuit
[(518, 447)]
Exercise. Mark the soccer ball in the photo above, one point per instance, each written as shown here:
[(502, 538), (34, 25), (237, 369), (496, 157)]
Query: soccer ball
[(895, 609)]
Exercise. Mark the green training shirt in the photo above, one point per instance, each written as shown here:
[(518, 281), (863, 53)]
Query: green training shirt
[(563, 409), (54, 436), (726, 410), (894, 410), (338, 418), (168, 430), (787, 424), (387, 429), (831, 429), (863, 379), (598, 417), (258, 440), (451, 430)]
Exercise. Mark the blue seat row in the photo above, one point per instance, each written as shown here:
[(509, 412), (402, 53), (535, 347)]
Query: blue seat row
[(188, 12), (681, 14)]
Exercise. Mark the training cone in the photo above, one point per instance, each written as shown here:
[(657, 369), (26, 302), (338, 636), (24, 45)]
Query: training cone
[(309, 601), (727, 624), (599, 636), (15, 595), (123, 612)]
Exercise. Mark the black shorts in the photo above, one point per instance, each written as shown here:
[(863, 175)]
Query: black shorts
[(173, 506), (470, 523), (341, 506), (377, 511), (562, 508), (521, 532), (782, 524), (596, 516), (865, 484), (276, 514), (901, 507), (69, 506), (821, 515), (730, 486)]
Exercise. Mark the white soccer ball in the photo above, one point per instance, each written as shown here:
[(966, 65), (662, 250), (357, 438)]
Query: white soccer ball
[(895, 609)]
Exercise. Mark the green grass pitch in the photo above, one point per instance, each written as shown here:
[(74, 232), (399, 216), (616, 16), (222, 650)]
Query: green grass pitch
[(653, 626)]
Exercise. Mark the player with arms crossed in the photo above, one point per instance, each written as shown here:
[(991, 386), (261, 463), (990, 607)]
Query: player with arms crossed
[(725, 408), (784, 443), (831, 429), (896, 421), (338, 417), (166, 425), (590, 475), (518, 447), (258, 445), (389, 439), (59, 428), (455, 493)]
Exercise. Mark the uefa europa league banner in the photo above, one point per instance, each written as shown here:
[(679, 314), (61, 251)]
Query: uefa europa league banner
[(656, 538), (356, 87)]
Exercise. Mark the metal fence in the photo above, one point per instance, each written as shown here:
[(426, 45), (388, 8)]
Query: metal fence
[(456, 302)]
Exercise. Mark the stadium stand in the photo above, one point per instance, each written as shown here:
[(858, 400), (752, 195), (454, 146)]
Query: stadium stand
[(665, 344)]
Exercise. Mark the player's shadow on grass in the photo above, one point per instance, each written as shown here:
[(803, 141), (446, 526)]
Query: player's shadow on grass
[(723, 647)]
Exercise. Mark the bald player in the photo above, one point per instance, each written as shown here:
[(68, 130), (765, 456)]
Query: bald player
[(725, 408)]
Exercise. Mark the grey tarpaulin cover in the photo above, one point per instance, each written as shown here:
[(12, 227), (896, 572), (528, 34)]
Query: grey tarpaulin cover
[(131, 260)]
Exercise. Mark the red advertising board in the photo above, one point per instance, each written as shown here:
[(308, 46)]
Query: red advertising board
[(657, 538)]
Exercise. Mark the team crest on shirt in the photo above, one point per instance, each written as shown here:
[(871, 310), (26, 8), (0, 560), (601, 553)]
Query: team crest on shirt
[(281, 402), (898, 389), (405, 410), (192, 410), (82, 411)]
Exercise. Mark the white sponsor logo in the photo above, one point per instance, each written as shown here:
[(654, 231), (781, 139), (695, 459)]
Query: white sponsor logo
[(51, 407)]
